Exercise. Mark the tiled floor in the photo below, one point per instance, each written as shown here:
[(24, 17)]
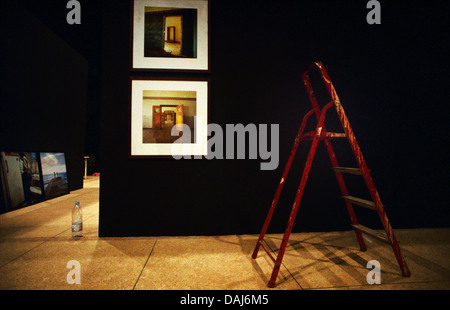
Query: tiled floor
[(36, 246)]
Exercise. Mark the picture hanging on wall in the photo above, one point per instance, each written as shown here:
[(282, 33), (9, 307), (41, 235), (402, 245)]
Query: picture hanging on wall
[(169, 118), (170, 35)]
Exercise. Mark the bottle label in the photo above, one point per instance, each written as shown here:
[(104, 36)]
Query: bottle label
[(77, 226)]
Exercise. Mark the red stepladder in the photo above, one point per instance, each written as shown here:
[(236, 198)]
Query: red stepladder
[(321, 133)]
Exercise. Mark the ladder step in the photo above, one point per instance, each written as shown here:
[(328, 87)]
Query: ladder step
[(348, 170), (323, 135), (372, 233), (361, 202)]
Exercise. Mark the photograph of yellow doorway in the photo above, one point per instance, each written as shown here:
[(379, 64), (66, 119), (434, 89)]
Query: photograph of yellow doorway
[(164, 109), (170, 35), (170, 32)]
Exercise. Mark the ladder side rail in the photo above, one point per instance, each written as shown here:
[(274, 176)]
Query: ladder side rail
[(363, 166), (372, 189), (348, 130), (282, 182), (334, 162), (299, 195), (326, 79)]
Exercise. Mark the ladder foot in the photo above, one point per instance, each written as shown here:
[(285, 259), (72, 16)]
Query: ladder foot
[(362, 244), (405, 271)]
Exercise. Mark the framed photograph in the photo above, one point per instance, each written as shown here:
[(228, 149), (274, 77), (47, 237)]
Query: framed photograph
[(21, 179), (54, 174), (169, 118), (170, 35)]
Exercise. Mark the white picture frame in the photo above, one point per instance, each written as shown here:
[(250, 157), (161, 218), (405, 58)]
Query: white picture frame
[(197, 58), (165, 90)]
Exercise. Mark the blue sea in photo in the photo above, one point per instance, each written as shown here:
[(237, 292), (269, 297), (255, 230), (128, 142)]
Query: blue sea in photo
[(48, 177)]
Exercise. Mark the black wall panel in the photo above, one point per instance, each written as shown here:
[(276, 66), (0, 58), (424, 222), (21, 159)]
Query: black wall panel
[(391, 79)]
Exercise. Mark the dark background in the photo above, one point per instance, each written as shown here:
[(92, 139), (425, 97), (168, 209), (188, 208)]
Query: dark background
[(391, 78), (43, 92)]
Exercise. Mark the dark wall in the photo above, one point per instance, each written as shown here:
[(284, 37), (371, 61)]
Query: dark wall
[(85, 39), (391, 78), (43, 91)]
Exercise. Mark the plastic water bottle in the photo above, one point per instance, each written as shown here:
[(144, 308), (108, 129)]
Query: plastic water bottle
[(77, 221)]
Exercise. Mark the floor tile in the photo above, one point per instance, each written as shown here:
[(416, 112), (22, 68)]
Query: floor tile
[(105, 264), (194, 263)]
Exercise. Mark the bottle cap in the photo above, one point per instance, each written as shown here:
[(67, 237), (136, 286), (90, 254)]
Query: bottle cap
[(77, 203)]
